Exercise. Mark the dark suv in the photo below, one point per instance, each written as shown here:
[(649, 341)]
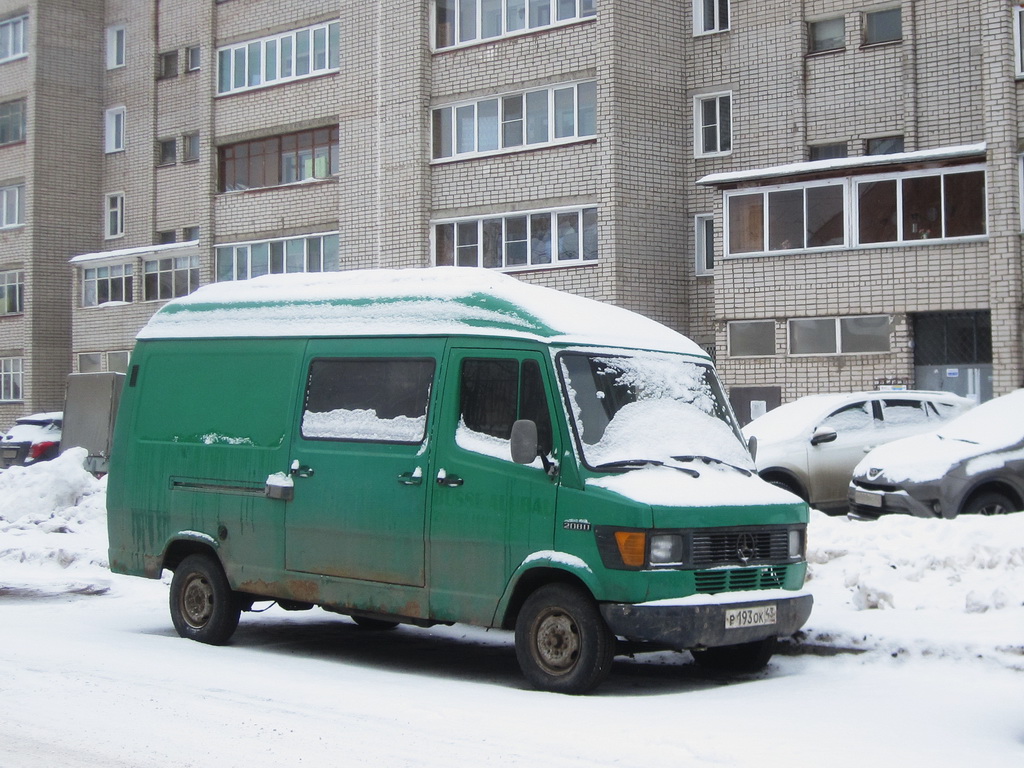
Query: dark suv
[(973, 464), (31, 439)]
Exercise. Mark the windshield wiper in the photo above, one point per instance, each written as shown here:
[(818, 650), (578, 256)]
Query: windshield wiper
[(710, 460), (630, 463), (637, 463)]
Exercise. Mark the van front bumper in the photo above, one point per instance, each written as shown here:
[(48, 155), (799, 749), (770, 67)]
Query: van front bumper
[(704, 624)]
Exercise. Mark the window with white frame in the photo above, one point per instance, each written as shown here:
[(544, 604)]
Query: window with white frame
[(526, 240), (793, 217), (921, 206), (12, 206), (106, 284), (116, 38), (704, 241), (11, 379), (855, 211), (114, 224), (712, 117), (547, 116), (113, 135), (193, 58), (863, 334), (12, 121), (294, 55), (309, 253), (751, 338), (170, 277), (13, 38), (464, 22), (710, 16), (12, 292)]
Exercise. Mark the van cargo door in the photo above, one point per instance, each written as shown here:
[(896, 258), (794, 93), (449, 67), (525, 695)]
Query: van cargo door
[(359, 460)]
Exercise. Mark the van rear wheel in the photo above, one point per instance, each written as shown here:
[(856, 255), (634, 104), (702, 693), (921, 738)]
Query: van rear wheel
[(562, 643), (203, 605)]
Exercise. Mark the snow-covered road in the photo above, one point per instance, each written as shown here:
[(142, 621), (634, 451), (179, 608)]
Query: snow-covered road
[(104, 681), (914, 656)]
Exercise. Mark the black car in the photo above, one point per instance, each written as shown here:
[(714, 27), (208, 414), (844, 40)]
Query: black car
[(32, 438)]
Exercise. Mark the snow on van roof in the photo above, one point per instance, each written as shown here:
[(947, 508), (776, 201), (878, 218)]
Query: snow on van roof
[(421, 302)]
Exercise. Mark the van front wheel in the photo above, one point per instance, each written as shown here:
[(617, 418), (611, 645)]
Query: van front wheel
[(562, 643), (203, 606)]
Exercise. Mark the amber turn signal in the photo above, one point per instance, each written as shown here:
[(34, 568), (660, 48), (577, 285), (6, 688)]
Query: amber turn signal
[(632, 547)]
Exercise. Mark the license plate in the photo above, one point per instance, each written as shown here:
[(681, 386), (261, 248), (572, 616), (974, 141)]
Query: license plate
[(867, 499), (10, 453), (759, 616)]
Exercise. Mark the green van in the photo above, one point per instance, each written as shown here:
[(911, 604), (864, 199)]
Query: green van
[(447, 445)]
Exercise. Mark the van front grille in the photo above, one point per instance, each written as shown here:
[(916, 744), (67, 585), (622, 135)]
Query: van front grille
[(724, 547), (738, 579)]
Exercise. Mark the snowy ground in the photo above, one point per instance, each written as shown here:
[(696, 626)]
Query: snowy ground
[(913, 656)]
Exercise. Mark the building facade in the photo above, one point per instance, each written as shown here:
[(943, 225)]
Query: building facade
[(825, 194)]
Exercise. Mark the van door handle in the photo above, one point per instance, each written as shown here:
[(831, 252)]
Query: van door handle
[(411, 478), (452, 481)]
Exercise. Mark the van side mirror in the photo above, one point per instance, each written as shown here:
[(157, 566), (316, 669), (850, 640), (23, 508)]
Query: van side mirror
[(823, 436), (752, 447), (524, 441)]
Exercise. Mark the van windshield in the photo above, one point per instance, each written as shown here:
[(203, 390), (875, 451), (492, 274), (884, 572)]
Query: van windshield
[(649, 408)]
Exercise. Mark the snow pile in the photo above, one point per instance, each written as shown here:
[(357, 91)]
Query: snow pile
[(53, 534), (898, 585), (902, 584)]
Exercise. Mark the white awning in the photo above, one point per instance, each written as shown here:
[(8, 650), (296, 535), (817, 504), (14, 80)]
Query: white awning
[(187, 248), (811, 167)]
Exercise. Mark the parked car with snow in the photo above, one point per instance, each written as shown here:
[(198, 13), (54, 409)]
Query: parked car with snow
[(450, 445), (811, 445), (974, 464), (31, 439)]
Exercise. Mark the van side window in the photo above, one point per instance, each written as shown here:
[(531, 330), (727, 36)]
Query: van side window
[(493, 394), (371, 399)]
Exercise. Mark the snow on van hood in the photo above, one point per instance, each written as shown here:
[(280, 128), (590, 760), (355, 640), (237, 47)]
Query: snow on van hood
[(420, 302), (717, 486)]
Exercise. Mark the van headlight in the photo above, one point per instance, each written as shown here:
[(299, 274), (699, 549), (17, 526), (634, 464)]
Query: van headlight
[(796, 544), (666, 549)]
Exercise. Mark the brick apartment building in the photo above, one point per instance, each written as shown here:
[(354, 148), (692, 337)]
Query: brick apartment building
[(825, 193)]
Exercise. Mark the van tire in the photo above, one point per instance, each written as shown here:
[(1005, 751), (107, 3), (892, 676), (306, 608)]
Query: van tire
[(562, 643), (745, 657), (203, 606)]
